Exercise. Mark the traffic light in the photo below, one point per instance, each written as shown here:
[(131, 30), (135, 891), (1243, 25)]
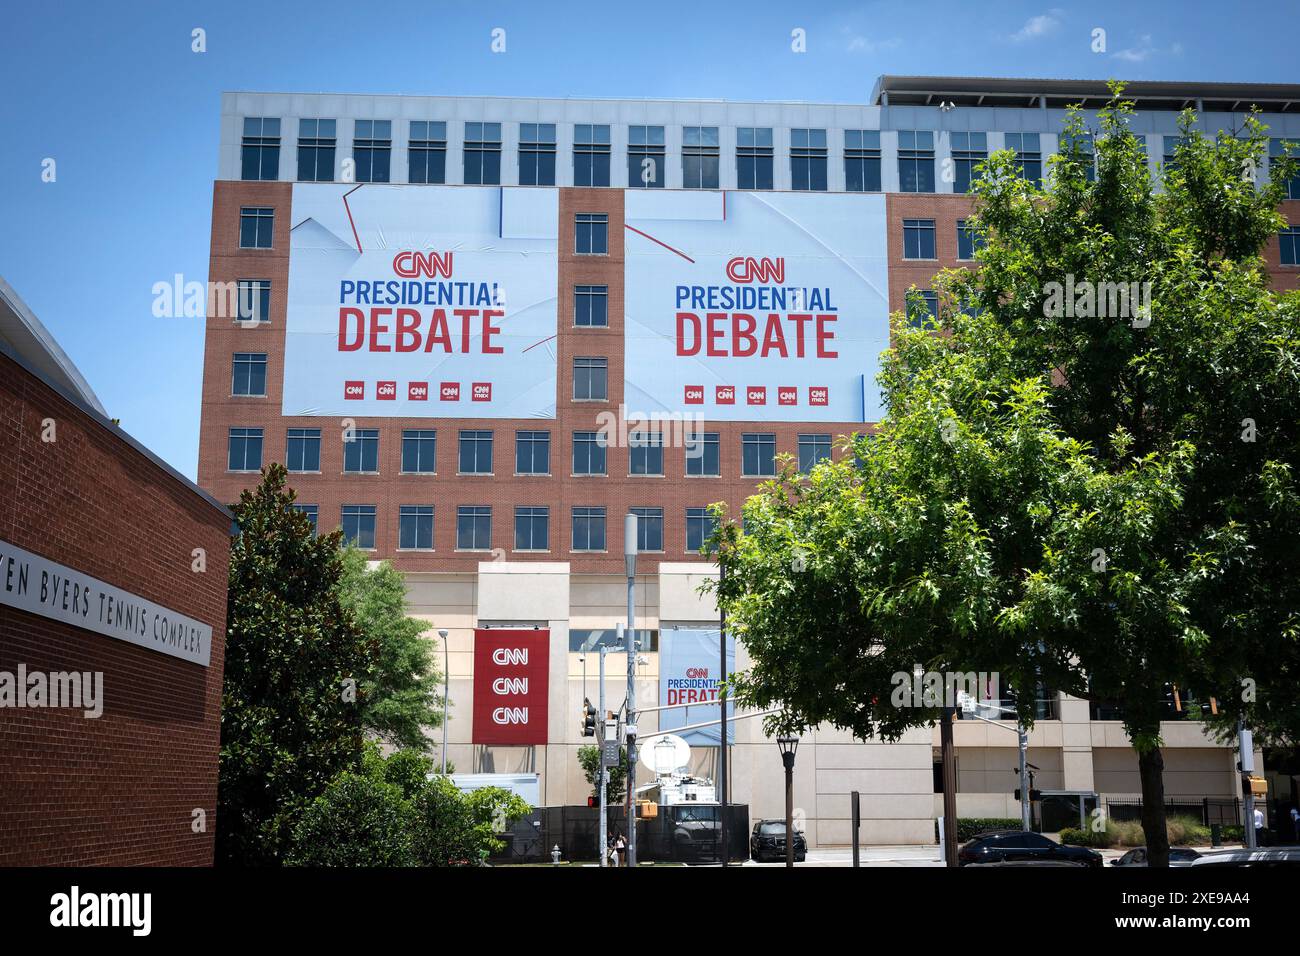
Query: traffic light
[(1034, 795), (588, 719)]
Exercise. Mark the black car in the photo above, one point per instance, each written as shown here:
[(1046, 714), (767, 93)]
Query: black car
[(1178, 856), (1019, 846), (768, 842)]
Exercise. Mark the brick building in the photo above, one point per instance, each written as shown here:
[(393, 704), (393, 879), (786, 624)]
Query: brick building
[(455, 496), (112, 627)]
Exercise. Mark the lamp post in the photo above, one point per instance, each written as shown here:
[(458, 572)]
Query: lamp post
[(788, 745), (445, 679), (629, 561)]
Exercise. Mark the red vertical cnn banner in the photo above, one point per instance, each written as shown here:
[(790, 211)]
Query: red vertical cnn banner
[(511, 685)]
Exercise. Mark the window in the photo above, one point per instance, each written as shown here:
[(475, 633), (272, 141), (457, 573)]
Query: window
[(968, 151), (583, 640), (754, 157), (808, 159), (591, 234), (649, 528), (700, 157), (1029, 155), (254, 300), (533, 453), (359, 526), (372, 149), (532, 529), (645, 157), (537, 154), (920, 304), (473, 528), (703, 455), (1289, 243), (245, 450), (862, 160), (316, 150), (590, 378), (591, 306), (968, 240), (1277, 151), (590, 155), (918, 238), (1086, 156), (427, 154), (812, 449), (302, 449), (312, 512), (475, 453), (588, 529), (361, 451), (419, 451), (483, 154), (256, 223), (645, 453), (700, 525), (916, 161), (260, 149), (758, 454), (249, 374), (588, 453), (415, 527)]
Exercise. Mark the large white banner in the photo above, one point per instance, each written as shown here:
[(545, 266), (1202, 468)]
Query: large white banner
[(761, 306), (421, 301), (690, 671), (40, 586)]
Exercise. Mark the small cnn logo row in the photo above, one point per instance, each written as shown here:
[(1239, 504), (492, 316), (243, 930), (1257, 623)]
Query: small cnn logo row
[(418, 391), (757, 395)]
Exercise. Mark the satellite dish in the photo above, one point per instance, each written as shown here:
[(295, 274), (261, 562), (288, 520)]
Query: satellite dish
[(665, 753)]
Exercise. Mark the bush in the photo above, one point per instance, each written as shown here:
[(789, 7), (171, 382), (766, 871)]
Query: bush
[(968, 828), (458, 829), (357, 821), (1183, 831)]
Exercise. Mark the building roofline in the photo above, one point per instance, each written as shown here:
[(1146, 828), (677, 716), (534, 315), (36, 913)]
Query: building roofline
[(717, 101)]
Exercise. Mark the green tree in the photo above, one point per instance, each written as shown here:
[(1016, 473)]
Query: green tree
[(461, 829), (1061, 496), (401, 699), (358, 821), (290, 714), (589, 760)]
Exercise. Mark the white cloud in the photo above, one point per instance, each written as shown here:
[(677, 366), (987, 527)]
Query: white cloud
[(1037, 27), (1144, 49), (858, 43)]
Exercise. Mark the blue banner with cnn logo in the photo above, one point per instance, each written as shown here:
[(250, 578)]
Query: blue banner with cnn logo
[(690, 669)]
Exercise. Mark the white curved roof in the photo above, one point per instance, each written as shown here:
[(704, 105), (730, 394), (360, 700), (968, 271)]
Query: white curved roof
[(23, 336)]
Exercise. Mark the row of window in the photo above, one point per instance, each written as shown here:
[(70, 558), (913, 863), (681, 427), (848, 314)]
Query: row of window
[(646, 155), (532, 527), (475, 447)]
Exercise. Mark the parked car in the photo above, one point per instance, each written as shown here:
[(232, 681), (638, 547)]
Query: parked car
[(768, 842), (1178, 856), (1287, 856), (1020, 846)]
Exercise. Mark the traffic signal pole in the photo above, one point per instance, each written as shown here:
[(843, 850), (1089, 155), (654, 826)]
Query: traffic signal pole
[(603, 847), (629, 561)]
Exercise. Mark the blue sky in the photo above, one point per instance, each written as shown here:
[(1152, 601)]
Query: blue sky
[(114, 94)]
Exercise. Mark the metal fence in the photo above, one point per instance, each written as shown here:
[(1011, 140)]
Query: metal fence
[(1209, 810), (684, 833)]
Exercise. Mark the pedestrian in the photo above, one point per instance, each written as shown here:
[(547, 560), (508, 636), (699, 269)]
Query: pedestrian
[(1259, 827), (1295, 824), (611, 855), (620, 847)]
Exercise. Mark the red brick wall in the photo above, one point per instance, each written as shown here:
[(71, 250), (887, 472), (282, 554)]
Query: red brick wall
[(119, 789)]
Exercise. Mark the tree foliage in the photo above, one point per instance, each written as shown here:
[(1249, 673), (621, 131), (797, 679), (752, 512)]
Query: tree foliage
[(589, 760)]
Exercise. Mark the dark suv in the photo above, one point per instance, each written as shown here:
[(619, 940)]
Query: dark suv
[(1019, 846), (768, 842)]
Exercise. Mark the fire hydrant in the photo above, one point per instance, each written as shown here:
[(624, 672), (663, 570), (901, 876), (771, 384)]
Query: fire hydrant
[(555, 855)]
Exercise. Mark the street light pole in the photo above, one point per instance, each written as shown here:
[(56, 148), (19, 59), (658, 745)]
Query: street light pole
[(722, 706), (446, 676), (788, 747), (603, 780), (629, 561)]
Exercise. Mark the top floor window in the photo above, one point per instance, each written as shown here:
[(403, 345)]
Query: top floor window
[(754, 157), (968, 151), (1086, 156), (645, 157), (537, 154), (475, 453), (916, 161), (372, 147), (1029, 155), (590, 154), (700, 157), (260, 149), (361, 452), (483, 154), (808, 159), (316, 141), (862, 160), (1277, 150), (427, 152)]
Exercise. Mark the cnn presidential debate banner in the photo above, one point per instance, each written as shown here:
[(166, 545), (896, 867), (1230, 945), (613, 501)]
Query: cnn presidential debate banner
[(421, 301), (763, 306), (690, 669)]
